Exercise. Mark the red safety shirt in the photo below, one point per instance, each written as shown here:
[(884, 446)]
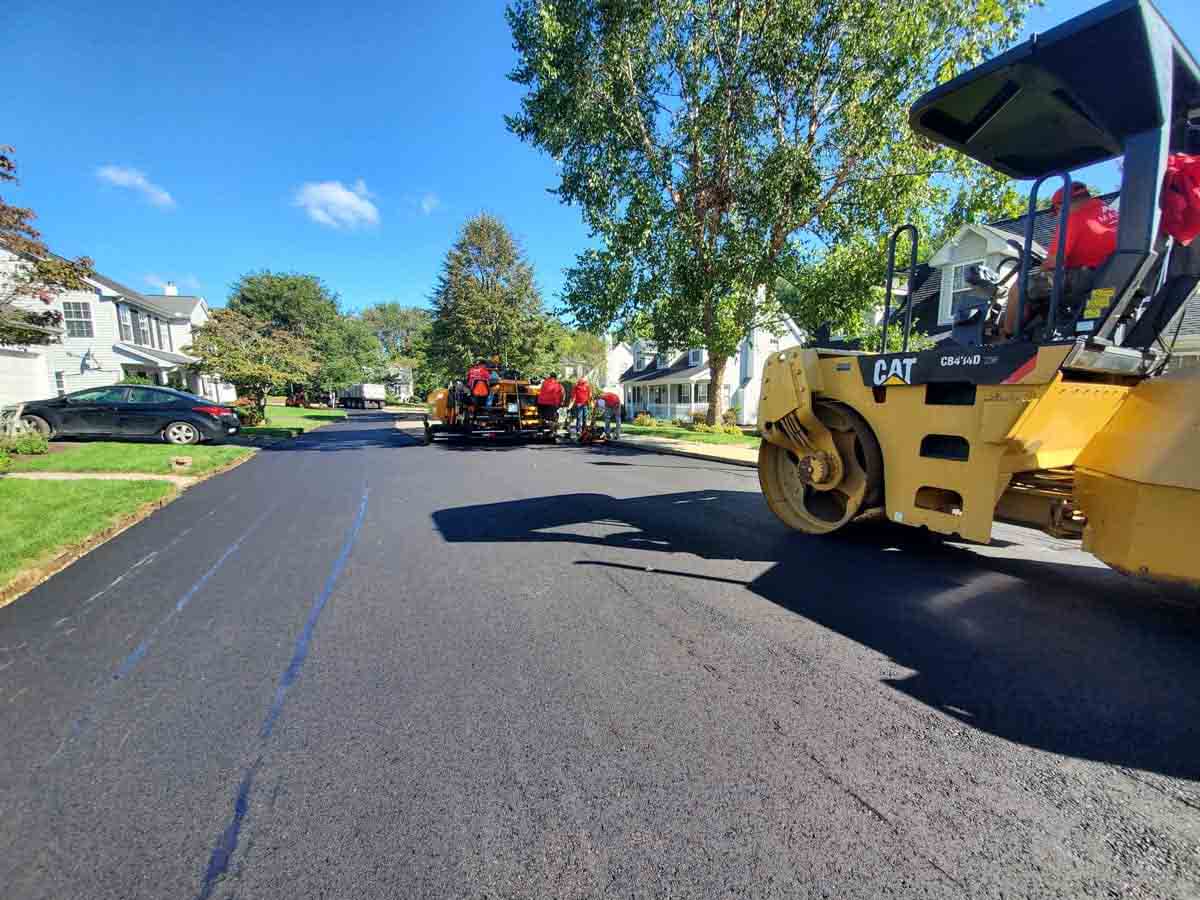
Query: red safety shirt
[(1180, 199), (550, 393), (1091, 235), (582, 394), (611, 400)]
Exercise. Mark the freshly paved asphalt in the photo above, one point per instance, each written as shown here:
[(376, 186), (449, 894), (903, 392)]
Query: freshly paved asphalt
[(361, 667)]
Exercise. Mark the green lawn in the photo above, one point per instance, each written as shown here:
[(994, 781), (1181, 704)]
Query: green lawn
[(686, 434), (288, 421), (42, 518), (112, 456)]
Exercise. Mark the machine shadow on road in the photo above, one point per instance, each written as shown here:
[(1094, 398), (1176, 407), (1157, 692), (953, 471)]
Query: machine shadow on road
[(1072, 659)]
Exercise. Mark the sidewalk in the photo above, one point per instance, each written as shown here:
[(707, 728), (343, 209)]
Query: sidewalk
[(726, 453)]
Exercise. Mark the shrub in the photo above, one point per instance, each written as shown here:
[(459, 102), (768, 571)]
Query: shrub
[(732, 429), (680, 422), (28, 443), (730, 416), (5, 461), (137, 379), (248, 414), (699, 417), (703, 428), (645, 419)]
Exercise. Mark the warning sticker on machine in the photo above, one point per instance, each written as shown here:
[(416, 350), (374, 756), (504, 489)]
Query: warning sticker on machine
[(1098, 301)]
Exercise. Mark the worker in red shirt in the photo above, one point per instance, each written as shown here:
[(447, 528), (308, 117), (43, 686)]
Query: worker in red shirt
[(612, 414), (581, 400), (1091, 239), (550, 398), (477, 379)]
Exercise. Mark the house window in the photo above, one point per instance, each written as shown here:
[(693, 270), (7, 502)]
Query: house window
[(660, 361), (78, 319), (702, 393), (126, 327), (958, 287), (747, 371), (60, 383), (683, 393), (696, 356), (141, 328)]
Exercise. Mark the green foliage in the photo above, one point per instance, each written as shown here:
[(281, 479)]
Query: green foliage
[(730, 416), (729, 428), (705, 428), (5, 461), (39, 274), (254, 356), (645, 420), (486, 304), (133, 378), (707, 143), (402, 330), (301, 304), (698, 417), (347, 352), (26, 443)]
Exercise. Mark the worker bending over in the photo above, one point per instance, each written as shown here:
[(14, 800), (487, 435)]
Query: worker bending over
[(612, 415)]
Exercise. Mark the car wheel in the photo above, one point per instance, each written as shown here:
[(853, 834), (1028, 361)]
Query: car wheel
[(38, 424), (181, 433)]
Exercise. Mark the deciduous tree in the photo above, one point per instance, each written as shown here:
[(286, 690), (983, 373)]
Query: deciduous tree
[(38, 273), (708, 142), (253, 355)]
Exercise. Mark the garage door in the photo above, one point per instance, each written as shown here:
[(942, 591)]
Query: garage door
[(23, 377)]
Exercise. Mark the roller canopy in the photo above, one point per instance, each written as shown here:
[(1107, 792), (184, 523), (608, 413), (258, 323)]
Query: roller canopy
[(1069, 97)]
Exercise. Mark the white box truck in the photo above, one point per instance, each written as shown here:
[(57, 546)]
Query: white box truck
[(363, 396)]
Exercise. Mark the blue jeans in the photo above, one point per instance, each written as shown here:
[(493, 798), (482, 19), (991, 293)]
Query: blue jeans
[(581, 417)]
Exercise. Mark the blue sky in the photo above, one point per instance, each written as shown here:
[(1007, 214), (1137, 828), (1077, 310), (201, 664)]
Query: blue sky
[(195, 142)]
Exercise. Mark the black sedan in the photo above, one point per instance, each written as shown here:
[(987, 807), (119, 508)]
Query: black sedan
[(132, 411)]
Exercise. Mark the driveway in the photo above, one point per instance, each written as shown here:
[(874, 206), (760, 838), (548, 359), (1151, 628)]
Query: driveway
[(360, 667)]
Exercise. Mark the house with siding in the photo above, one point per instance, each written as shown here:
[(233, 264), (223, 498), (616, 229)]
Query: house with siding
[(110, 331), (675, 384)]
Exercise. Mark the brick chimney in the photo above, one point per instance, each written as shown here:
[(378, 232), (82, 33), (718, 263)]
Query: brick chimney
[(169, 289)]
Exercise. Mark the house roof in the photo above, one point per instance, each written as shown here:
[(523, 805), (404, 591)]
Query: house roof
[(679, 370), (136, 297), (179, 304), (155, 356)]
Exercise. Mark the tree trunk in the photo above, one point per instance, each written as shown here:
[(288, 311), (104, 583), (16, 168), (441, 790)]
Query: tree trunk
[(716, 369)]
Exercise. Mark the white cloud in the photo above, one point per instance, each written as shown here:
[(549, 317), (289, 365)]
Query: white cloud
[(430, 202), (332, 203), (125, 177)]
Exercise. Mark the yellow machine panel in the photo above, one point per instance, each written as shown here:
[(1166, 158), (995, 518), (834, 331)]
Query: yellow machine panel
[(1138, 482)]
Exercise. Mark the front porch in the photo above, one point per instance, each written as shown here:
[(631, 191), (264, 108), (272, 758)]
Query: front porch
[(172, 370), (671, 400)]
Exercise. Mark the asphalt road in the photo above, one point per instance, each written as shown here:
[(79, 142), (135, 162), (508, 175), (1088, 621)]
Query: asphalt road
[(358, 667)]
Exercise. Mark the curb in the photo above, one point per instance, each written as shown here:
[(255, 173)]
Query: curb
[(673, 451)]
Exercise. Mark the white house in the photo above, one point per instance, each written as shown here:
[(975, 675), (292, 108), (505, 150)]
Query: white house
[(109, 331), (671, 385)]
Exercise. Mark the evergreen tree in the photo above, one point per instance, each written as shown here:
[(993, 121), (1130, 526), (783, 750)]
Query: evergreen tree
[(486, 304)]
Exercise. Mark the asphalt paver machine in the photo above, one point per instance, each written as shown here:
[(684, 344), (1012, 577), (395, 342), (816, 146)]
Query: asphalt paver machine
[(1073, 421), (508, 410)]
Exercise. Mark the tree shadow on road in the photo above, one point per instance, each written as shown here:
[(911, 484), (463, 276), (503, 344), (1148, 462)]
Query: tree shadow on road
[(1070, 658)]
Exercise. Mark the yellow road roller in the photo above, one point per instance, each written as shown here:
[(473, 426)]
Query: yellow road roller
[(1051, 401)]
